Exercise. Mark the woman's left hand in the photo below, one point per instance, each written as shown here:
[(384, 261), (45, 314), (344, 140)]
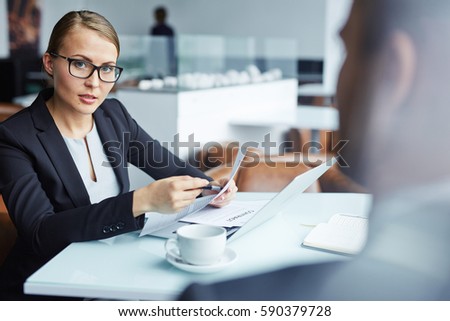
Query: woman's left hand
[(227, 196)]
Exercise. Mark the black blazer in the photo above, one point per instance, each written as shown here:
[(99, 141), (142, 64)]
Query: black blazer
[(45, 194)]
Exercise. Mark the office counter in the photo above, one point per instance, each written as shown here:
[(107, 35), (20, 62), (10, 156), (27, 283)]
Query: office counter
[(129, 267)]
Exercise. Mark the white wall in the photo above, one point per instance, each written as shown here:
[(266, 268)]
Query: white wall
[(298, 19), (51, 12), (4, 37)]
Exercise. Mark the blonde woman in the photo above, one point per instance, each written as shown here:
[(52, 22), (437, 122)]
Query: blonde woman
[(64, 159)]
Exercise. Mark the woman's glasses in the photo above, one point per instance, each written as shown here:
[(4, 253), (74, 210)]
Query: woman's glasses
[(84, 69)]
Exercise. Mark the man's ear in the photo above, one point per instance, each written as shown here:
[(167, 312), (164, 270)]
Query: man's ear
[(47, 62), (403, 59)]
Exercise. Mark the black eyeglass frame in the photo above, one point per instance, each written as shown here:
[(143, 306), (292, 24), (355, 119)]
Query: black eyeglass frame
[(70, 60)]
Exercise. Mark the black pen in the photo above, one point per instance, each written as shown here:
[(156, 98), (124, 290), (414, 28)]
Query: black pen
[(212, 188)]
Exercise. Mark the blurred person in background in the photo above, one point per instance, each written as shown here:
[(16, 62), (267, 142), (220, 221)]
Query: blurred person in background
[(162, 29)]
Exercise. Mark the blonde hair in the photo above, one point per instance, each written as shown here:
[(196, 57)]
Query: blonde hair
[(84, 18)]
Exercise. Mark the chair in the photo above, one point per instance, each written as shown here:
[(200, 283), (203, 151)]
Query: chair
[(271, 173), (215, 155), (262, 173), (8, 109), (270, 176), (258, 172)]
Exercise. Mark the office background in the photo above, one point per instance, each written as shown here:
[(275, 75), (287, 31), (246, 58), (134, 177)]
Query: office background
[(312, 24), (302, 20)]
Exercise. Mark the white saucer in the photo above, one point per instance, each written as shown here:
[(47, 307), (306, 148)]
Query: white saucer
[(228, 258)]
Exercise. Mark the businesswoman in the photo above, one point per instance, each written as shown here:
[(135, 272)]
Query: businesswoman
[(63, 160)]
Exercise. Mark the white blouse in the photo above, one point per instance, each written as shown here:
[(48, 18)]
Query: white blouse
[(107, 184)]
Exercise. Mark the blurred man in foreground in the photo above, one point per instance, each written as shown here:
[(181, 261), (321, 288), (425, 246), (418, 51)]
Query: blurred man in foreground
[(394, 106)]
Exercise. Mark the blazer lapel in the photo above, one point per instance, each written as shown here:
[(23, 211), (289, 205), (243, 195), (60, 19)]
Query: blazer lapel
[(59, 155), (109, 137)]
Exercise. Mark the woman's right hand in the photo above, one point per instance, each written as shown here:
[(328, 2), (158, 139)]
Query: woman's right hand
[(168, 195)]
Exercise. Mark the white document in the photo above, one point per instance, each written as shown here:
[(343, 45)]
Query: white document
[(156, 221), (235, 214)]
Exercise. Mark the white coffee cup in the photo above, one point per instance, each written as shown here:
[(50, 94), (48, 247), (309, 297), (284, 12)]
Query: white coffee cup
[(198, 244)]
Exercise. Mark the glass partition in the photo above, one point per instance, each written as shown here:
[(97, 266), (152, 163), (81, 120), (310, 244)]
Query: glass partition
[(189, 62)]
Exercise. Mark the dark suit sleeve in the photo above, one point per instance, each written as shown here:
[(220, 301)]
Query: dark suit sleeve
[(46, 220)]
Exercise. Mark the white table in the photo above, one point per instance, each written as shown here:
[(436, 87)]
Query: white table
[(132, 268)]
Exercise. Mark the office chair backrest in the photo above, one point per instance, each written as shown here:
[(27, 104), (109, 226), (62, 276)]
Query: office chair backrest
[(8, 109), (264, 174)]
